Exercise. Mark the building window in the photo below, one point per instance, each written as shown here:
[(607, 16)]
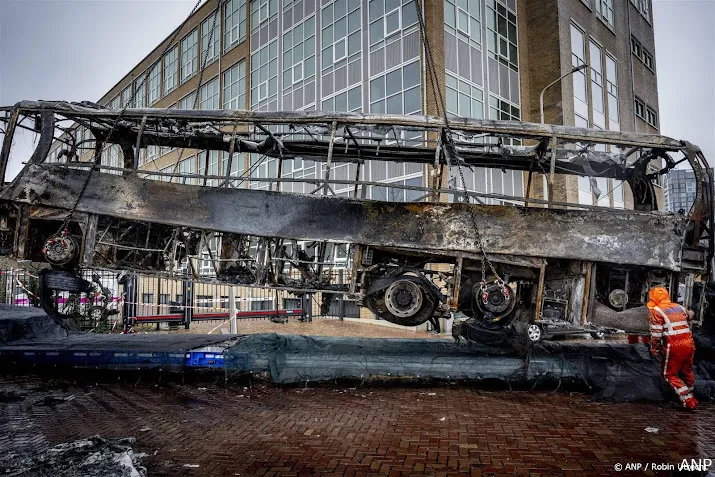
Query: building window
[(347, 101), (234, 23), (387, 17), (261, 305), (188, 101), (644, 55), (341, 45), (264, 55), (397, 92), (618, 193), (188, 166), (152, 154), (578, 57), (116, 103), (299, 53), (189, 47), (127, 97), (394, 64), (210, 52), (501, 34), (640, 109), (501, 110), (643, 7), (612, 93), (147, 298), (264, 76), (234, 87), (596, 69), (464, 99), (604, 8), (651, 117), (647, 59), (636, 47), (154, 83), (211, 168), (140, 92), (209, 95), (171, 69), (463, 46)]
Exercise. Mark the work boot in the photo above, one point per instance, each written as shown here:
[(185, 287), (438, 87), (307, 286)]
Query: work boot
[(690, 403)]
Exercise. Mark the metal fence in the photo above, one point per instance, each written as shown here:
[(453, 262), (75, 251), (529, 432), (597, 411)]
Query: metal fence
[(153, 299)]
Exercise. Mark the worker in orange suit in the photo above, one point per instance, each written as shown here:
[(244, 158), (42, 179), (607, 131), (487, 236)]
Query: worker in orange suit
[(672, 339)]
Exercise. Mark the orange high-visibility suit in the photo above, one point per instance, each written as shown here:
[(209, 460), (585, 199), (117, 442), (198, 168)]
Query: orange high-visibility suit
[(671, 337)]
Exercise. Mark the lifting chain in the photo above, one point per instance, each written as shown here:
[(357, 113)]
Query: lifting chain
[(480, 245), (449, 144), (98, 157)]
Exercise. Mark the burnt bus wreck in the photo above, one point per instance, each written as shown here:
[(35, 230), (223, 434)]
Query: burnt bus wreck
[(496, 258)]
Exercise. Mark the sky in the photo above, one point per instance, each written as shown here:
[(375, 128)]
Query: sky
[(685, 63), (77, 50)]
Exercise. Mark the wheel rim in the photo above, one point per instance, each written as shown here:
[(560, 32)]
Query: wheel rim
[(534, 332), (403, 298)]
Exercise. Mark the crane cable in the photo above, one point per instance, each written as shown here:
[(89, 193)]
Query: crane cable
[(197, 92), (453, 153), (97, 159)]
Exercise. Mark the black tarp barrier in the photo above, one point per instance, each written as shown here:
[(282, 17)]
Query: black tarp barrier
[(616, 371), (610, 370), (23, 323), (32, 329)]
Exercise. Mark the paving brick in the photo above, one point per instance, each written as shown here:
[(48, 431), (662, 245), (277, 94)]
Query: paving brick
[(388, 432)]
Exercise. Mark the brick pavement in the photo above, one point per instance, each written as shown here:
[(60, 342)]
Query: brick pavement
[(267, 430)]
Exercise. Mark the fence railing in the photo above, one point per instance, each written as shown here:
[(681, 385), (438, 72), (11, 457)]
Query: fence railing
[(153, 299)]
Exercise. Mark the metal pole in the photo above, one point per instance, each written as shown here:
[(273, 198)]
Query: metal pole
[(552, 169), (329, 160), (232, 309), (541, 96)]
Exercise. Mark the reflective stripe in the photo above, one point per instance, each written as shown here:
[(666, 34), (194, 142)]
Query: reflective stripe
[(656, 327), (657, 335), (669, 326), (665, 317), (681, 390), (685, 397), (665, 363), (678, 323)]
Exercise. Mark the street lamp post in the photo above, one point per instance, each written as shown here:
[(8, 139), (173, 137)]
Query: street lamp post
[(541, 97), (553, 153)]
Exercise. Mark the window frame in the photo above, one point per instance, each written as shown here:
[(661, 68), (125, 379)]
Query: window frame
[(216, 49), (204, 87), (235, 29), (156, 67), (609, 7), (651, 116), (240, 83), (140, 85), (397, 10), (193, 57), (639, 104), (175, 74)]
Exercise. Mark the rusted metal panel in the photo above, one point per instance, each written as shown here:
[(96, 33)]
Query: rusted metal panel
[(650, 239)]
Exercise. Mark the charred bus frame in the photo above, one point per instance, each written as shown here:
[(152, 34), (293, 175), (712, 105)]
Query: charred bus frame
[(542, 261)]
